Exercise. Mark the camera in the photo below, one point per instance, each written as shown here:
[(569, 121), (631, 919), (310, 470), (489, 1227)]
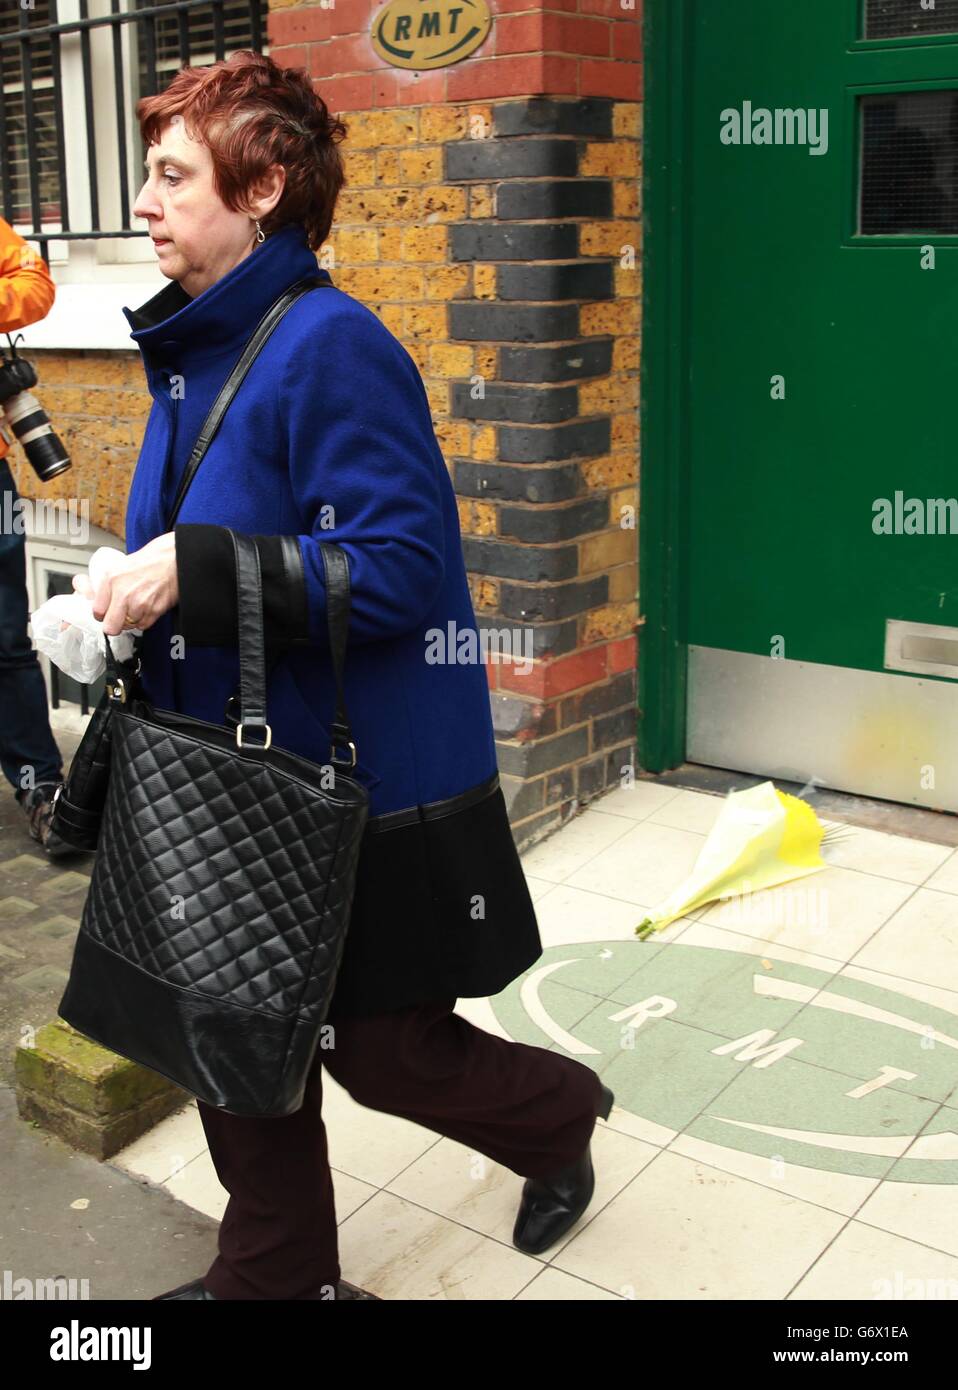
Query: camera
[(28, 419)]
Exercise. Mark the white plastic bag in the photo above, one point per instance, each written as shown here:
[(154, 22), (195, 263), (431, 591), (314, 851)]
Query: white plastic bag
[(65, 630)]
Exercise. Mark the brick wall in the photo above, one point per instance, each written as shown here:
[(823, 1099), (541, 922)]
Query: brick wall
[(491, 219)]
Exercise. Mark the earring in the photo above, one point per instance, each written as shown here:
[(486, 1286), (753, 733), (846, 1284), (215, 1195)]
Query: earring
[(260, 234)]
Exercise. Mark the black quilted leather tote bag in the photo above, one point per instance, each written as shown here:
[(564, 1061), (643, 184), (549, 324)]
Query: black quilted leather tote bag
[(221, 894)]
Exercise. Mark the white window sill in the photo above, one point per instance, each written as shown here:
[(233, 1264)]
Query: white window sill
[(91, 315), (91, 294)]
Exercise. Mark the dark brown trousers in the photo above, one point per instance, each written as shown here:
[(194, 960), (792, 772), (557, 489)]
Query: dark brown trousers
[(524, 1107)]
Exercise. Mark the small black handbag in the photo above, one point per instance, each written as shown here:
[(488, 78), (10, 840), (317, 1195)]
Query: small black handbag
[(221, 893), (78, 802)]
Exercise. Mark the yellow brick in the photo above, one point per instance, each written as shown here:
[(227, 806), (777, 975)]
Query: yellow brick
[(441, 123), (450, 359), (623, 497), (387, 167), (94, 369), (487, 362), (442, 203), (437, 394), (453, 436), (378, 205), (371, 130), (394, 316), (627, 280), (422, 165), (608, 158), (425, 321), (354, 245), (477, 518), (484, 280), (381, 282), (391, 242), (625, 354), (447, 282), (612, 620), (626, 197), (481, 200), (484, 442), (424, 244), (609, 317), (615, 547), (613, 238), (624, 583), (625, 430), (419, 352), (485, 594), (625, 119), (612, 470), (360, 166), (608, 393)]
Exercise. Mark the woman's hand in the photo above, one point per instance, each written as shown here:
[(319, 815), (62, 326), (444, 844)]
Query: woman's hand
[(143, 589)]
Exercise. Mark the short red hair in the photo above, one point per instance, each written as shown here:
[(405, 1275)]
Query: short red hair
[(252, 113)]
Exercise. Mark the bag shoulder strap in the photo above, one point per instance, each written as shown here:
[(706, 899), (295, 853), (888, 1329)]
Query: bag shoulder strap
[(252, 654), (251, 351)]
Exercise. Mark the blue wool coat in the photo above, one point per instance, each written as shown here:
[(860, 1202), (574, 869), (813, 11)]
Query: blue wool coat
[(330, 438)]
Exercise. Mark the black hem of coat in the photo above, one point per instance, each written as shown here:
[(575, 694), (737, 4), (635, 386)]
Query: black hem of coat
[(413, 936)]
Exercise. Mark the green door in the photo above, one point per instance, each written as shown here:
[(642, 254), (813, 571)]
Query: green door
[(817, 393)]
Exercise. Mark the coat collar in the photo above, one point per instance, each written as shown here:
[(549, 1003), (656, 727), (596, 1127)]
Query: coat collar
[(224, 315)]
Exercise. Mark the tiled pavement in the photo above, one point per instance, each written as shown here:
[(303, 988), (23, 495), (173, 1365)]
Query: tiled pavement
[(786, 1079)]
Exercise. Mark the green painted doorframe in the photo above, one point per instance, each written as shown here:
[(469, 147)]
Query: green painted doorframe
[(664, 456)]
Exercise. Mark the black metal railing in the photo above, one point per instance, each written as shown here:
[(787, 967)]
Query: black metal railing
[(164, 36)]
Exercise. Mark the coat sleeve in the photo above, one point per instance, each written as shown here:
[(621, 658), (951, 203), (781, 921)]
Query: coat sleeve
[(364, 469), (27, 290)]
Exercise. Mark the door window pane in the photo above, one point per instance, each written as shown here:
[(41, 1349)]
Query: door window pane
[(909, 163), (887, 19)]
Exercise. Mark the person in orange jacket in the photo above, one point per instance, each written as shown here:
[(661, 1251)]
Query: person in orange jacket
[(29, 756)]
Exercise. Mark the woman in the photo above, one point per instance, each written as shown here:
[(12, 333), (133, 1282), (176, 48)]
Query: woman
[(330, 438)]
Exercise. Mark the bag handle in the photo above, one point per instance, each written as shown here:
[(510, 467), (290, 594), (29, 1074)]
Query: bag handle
[(211, 424), (252, 653)]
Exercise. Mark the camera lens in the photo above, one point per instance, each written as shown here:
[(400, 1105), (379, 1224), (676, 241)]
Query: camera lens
[(31, 425)]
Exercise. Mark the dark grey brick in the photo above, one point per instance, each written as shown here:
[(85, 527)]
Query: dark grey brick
[(550, 198), (589, 117), (565, 362), (510, 159), (526, 483), (512, 716), (556, 280), (522, 404), (560, 786), (581, 438), (513, 241), (533, 563), (532, 605), (528, 759), (544, 524), (475, 321), (610, 729), (522, 798)]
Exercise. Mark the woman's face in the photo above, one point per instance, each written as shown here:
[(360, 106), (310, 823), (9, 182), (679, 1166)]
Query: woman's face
[(197, 238)]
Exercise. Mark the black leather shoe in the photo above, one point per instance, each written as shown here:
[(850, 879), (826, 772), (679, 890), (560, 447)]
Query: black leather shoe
[(196, 1291), (551, 1205)]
